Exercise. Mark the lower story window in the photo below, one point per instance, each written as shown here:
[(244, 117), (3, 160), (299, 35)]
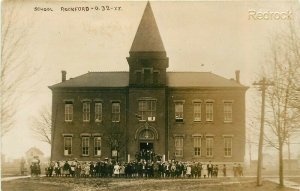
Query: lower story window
[(209, 146), (85, 146), (67, 146), (97, 146), (197, 146), (227, 146), (178, 146)]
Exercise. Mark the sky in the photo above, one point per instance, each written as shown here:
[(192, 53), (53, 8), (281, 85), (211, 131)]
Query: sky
[(215, 36)]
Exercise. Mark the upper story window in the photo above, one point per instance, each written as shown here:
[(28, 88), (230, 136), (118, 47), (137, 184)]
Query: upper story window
[(155, 77), (138, 77), (197, 111), (179, 111), (68, 111), (227, 111), (209, 107), (115, 111), (147, 110), (147, 75), (98, 112), (86, 111)]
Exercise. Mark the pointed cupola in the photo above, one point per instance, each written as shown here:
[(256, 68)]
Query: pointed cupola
[(147, 61)]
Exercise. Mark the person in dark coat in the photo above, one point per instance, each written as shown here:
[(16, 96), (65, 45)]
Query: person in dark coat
[(209, 169)]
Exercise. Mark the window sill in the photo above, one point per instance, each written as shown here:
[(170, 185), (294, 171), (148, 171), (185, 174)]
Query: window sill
[(227, 121), (197, 157), (227, 156), (68, 155), (85, 155), (197, 121), (115, 121), (209, 156), (181, 156)]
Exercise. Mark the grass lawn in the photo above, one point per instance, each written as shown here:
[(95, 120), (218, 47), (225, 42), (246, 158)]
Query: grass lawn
[(82, 184)]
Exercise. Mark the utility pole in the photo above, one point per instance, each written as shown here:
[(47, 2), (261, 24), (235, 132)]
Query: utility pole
[(262, 84)]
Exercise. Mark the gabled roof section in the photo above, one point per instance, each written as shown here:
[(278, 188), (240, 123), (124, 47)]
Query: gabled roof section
[(96, 79), (35, 151), (200, 79), (147, 37)]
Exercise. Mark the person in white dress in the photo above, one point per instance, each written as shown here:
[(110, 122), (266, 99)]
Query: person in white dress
[(116, 170), (188, 171)]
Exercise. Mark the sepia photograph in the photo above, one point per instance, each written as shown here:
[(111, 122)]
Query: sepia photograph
[(150, 95)]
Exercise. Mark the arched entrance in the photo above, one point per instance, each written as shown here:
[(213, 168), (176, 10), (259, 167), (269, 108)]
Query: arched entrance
[(146, 138)]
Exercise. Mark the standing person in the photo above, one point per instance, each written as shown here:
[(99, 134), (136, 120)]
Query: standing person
[(209, 169), (216, 170), (224, 170), (234, 170), (240, 170), (204, 170), (116, 170), (188, 171), (66, 169), (199, 167)]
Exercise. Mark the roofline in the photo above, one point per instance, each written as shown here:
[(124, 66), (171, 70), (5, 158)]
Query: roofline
[(208, 88), (168, 87)]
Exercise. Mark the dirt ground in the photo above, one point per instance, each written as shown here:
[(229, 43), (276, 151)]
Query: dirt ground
[(82, 184)]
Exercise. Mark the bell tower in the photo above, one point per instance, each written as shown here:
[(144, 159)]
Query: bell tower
[(147, 57)]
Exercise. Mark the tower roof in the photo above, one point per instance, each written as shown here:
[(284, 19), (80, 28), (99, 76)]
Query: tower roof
[(147, 37)]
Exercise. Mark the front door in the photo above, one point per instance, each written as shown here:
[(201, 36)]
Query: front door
[(146, 146)]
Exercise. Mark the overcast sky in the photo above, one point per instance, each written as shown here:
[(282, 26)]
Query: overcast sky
[(216, 36)]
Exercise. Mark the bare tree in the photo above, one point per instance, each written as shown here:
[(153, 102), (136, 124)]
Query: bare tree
[(41, 125), (15, 64), (282, 115)]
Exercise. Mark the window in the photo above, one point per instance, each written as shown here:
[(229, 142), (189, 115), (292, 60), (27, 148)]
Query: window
[(138, 77), (155, 77), (147, 76), (227, 112), (97, 146), (98, 112), (197, 111), (179, 112), (68, 111), (227, 146), (115, 112), (147, 110), (197, 146), (67, 146), (85, 146), (86, 111), (209, 111), (209, 146), (178, 146)]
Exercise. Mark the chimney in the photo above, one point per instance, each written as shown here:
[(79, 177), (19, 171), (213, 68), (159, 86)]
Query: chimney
[(63, 75), (237, 76)]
